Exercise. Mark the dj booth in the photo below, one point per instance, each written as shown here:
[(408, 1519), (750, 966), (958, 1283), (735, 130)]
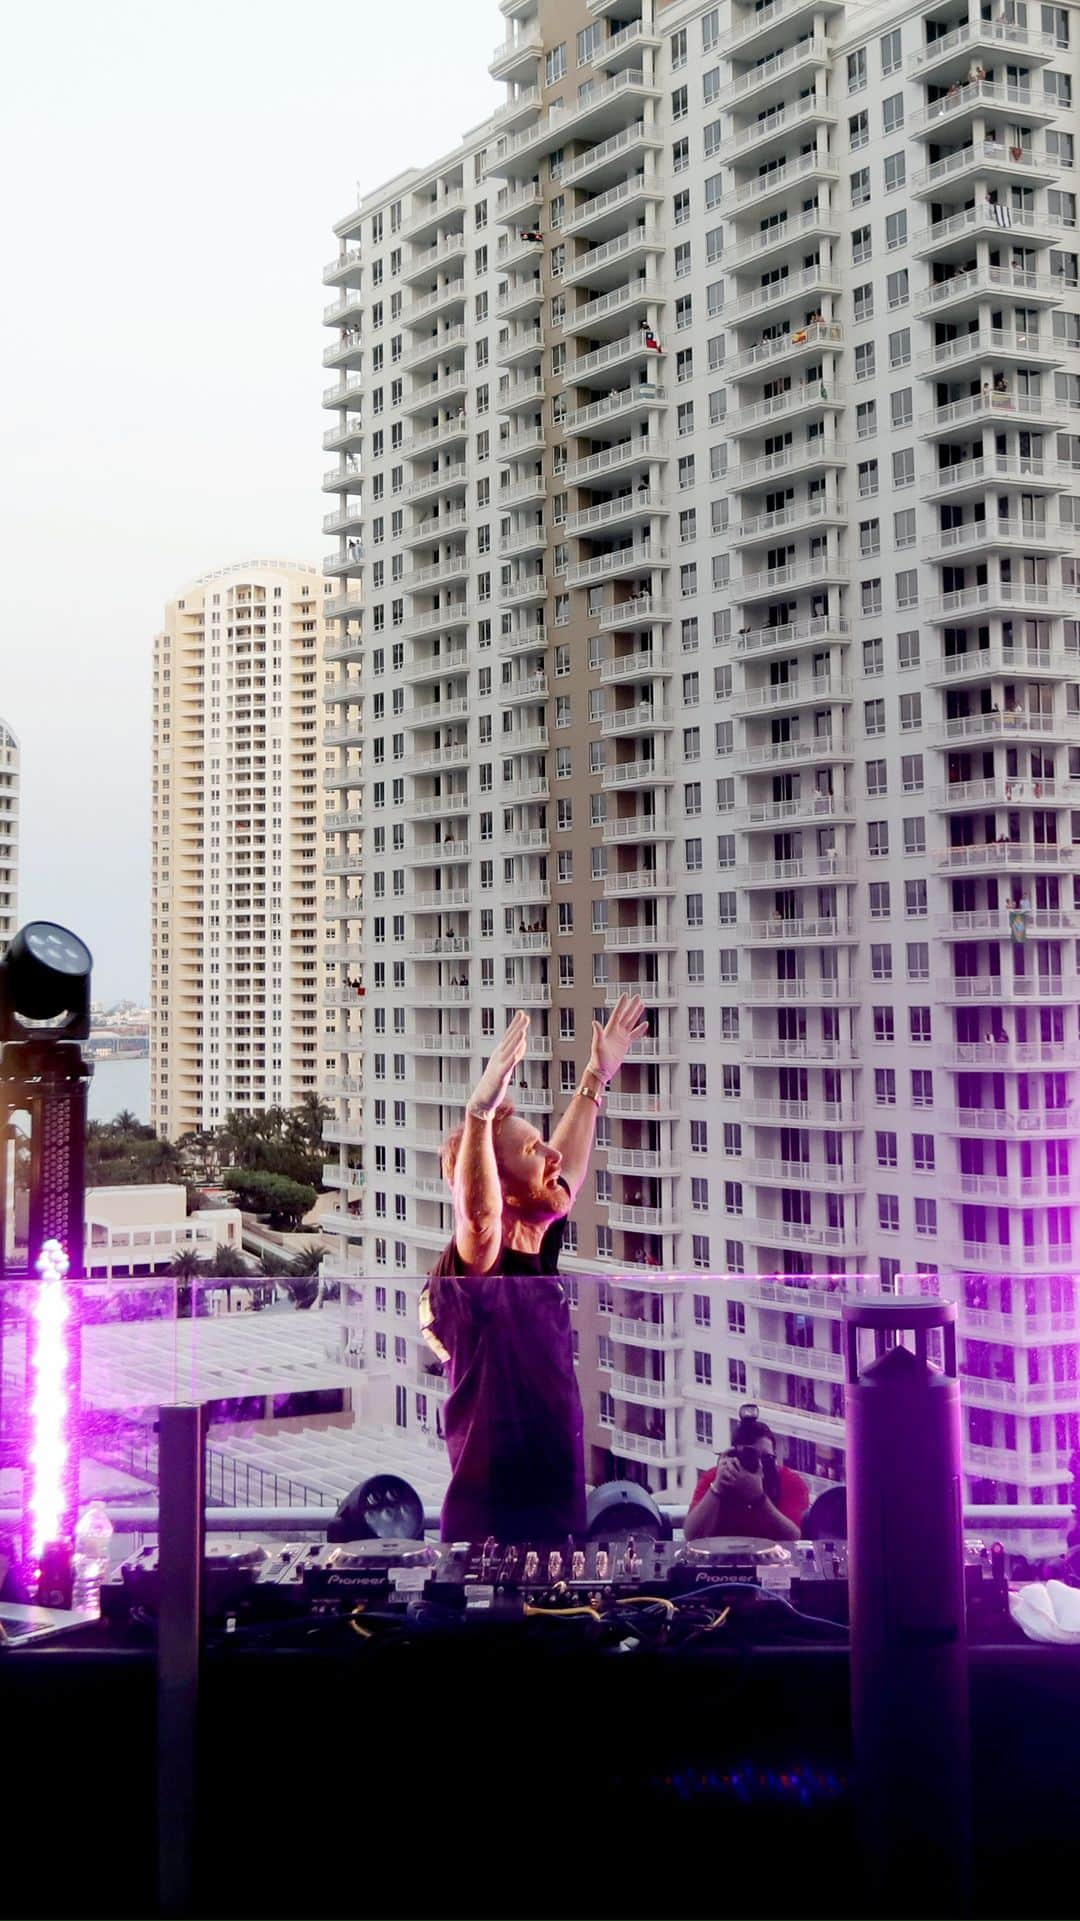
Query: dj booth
[(437, 1743)]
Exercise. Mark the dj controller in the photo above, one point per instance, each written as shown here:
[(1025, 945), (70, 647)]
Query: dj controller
[(249, 1580)]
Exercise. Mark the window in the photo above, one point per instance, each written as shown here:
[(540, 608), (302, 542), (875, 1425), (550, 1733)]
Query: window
[(877, 839), (866, 419), (680, 103), (907, 591), (681, 207), (920, 1026), (890, 51), (922, 1153), (885, 1086), (907, 647), (915, 899), (904, 527), (703, 1427), (860, 187), (903, 467), (678, 50), (888, 1213), (925, 1214), (864, 360), (555, 64), (922, 1087), (858, 130), (861, 246), (870, 596), (856, 70), (910, 704), (897, 289), (880, 900), (877, 782), (892, 113), (885, 1149), (895, 171), (914, 834), (911, 771)]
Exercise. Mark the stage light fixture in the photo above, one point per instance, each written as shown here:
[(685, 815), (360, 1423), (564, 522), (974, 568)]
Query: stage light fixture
[(45, 984), (622, 1507), (383, 1508), (49, 1495)]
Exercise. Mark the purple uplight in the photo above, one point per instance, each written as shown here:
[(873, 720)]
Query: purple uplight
[(49, 1403)]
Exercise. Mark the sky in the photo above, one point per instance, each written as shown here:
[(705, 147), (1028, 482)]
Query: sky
[(172, 177)]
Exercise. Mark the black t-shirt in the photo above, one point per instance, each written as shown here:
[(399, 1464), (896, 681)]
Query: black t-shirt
[(513, 1418)]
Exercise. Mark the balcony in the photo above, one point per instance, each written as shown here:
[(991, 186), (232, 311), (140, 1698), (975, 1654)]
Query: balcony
[(611, 514), (516, 58), (982, 283), (813, 513), (1006, 793), (993, 923), (983, 663), (1014, 408), (778, 183), (644, 717), (771, 1112), (791, 635), (442, 479), (812, 1053), (770, 79), (636, 827), (805, 807), (607, 264), (821, 689), (1019, 1123), (644, 937), (811, 456), (950, 55), (638, 881), (814, 750), (641, 611), (790, 932), (1014, 1191), (1002, 596), (780, 129), (609, 160), (601, 218), (768, 1232), (1011, 857), (791, 290), (798, 575), (986, 345), (599, 114), (798, 992), (637, 1447), (969, 478), (625, 404), (636, 773), (982, 536), (812, 397), (635, 557), (629, 456), (1016, 105), (642, 664), (990, 160), (641, 1333), (430, 260), (958, 232), (819, 1361), (803, 343), (1006, 989)]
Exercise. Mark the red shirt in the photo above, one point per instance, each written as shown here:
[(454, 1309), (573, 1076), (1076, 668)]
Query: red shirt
[(793, 1502)]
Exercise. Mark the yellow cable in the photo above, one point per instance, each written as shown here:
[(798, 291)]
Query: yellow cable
[(564, 1614), (650, 1600)]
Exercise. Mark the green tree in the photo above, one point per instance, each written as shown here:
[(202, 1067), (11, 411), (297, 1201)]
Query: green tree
[(309, 1260), (283, 1202)]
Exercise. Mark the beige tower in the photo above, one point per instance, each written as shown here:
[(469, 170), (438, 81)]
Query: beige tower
[(237, 799)]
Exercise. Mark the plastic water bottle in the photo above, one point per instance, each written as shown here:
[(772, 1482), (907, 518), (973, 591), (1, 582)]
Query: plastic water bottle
[(93, 1534)]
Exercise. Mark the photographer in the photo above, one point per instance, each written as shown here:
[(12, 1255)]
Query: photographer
[(749, 1492)]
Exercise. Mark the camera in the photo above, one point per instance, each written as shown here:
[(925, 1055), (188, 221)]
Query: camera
[(747, 1457)]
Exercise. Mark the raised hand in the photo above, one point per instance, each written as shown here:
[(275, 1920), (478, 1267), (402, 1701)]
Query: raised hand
[(492, 1086), (612, 1042)]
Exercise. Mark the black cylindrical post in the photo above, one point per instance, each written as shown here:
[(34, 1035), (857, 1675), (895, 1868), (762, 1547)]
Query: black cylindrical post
[(181, 1540), (909, 1682)]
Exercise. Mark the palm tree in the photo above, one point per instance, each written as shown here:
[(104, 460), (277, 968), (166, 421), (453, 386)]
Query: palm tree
[(309, 1260), (164, 1162), (125, 1122), (185, 1268), (311, 1114)]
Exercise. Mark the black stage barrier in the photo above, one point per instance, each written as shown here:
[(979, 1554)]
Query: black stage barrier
[(488, 1774)]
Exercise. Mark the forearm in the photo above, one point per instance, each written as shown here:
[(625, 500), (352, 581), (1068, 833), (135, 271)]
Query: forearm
[(575, 1134), (761, 1518), (477, 1190)]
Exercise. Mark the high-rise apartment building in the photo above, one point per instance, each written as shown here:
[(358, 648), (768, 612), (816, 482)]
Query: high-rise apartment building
[(708, 478), (9, 834), (236, 923)]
